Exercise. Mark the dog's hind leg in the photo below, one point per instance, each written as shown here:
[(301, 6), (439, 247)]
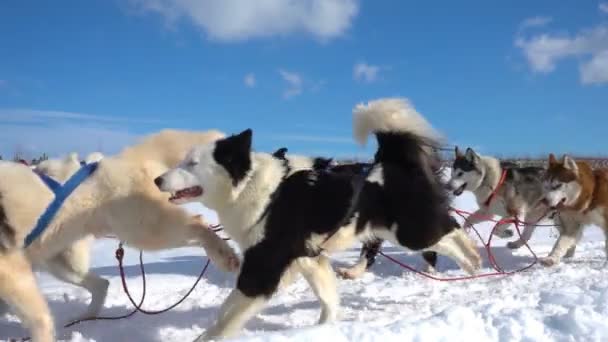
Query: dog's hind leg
[(321, 278), (431, 261), (459, 247), (72, 266), (369, 251), (18, 288)]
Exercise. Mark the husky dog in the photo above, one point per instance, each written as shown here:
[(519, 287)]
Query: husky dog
[(501, 189), (287, 223), (119, 199), (580, 196)]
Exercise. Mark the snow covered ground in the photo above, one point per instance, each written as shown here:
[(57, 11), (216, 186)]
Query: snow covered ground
[(565, 303)]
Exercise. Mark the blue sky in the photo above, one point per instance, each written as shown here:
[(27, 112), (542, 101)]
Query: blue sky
[(510, 78)]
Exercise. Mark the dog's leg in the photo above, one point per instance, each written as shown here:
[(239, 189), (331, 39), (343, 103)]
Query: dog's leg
[(501, 230), (72, 266), (234, 313), (570, 253), (431, 261), (18, 288), (478, 216), (218, 250), (567, 239), (531, 221), (264, 266), (3, 308), (369, 251), (320, 276), (169, 226), (459, 247)]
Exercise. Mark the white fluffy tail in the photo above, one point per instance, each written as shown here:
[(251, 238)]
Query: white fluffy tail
[(390, 115)]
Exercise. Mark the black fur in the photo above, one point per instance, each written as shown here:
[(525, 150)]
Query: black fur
[(463, 163), (7, 232), (280, 153), (320, 163), (321, 202), (233, 153)]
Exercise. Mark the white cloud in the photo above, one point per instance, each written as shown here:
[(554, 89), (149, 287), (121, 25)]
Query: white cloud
[(249, 80), (33, 132), (236, 20), (603, 7), (544, 51), (20, 115), (538, 21), (364, 72), (294, 83), (596, 70)]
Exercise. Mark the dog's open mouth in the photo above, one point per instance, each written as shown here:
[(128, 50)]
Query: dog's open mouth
[(460, 190), (191, 192)]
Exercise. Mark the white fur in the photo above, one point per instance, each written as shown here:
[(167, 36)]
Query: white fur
[(119, 199), (390, 115)]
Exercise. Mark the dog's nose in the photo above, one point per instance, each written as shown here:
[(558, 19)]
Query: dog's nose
[(158, 181)]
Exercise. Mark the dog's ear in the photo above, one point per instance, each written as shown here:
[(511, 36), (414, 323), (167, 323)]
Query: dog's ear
[(470, 155), (570, 164), (234, 154), (552, 160), (457, 152), (244, 139), (280, 153)]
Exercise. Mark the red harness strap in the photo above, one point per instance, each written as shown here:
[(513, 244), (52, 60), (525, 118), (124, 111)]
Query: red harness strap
[(493, 194)]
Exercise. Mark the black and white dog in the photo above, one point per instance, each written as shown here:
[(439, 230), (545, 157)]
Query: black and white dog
[(287, 222)]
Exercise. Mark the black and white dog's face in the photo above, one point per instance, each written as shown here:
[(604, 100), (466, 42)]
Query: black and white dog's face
[(210, 173), (467, 172)]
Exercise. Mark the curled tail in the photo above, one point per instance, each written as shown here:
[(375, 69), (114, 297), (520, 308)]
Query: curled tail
[(391, 115)]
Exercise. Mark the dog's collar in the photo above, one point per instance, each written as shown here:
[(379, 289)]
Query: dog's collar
[(503, 176), (62, 192)]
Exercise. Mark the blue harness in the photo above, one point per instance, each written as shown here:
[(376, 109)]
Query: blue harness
[(62, 192)]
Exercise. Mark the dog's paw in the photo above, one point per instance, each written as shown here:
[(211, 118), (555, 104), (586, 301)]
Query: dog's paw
[(347, 273), (225, 259), (504, 233), (514, 244), (548, 261)]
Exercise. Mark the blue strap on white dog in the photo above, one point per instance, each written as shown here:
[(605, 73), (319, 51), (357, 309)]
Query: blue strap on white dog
[(62, 192)]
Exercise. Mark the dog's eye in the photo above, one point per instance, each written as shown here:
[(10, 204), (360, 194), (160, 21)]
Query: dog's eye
[(556, 186), (460, 174), (192, 163)]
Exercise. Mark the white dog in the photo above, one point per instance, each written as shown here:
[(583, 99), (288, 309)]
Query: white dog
[(118, 199)]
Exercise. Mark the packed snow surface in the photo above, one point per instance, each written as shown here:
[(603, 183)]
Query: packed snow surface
[(568, 302)]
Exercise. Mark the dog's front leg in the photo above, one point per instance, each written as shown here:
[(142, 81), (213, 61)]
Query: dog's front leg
[(263, 267), (478, 216), (219, 251), (234, 313), (567, 239), (530, 222)]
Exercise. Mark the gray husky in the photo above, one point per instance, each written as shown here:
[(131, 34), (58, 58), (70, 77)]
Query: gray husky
[(502, 189)]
